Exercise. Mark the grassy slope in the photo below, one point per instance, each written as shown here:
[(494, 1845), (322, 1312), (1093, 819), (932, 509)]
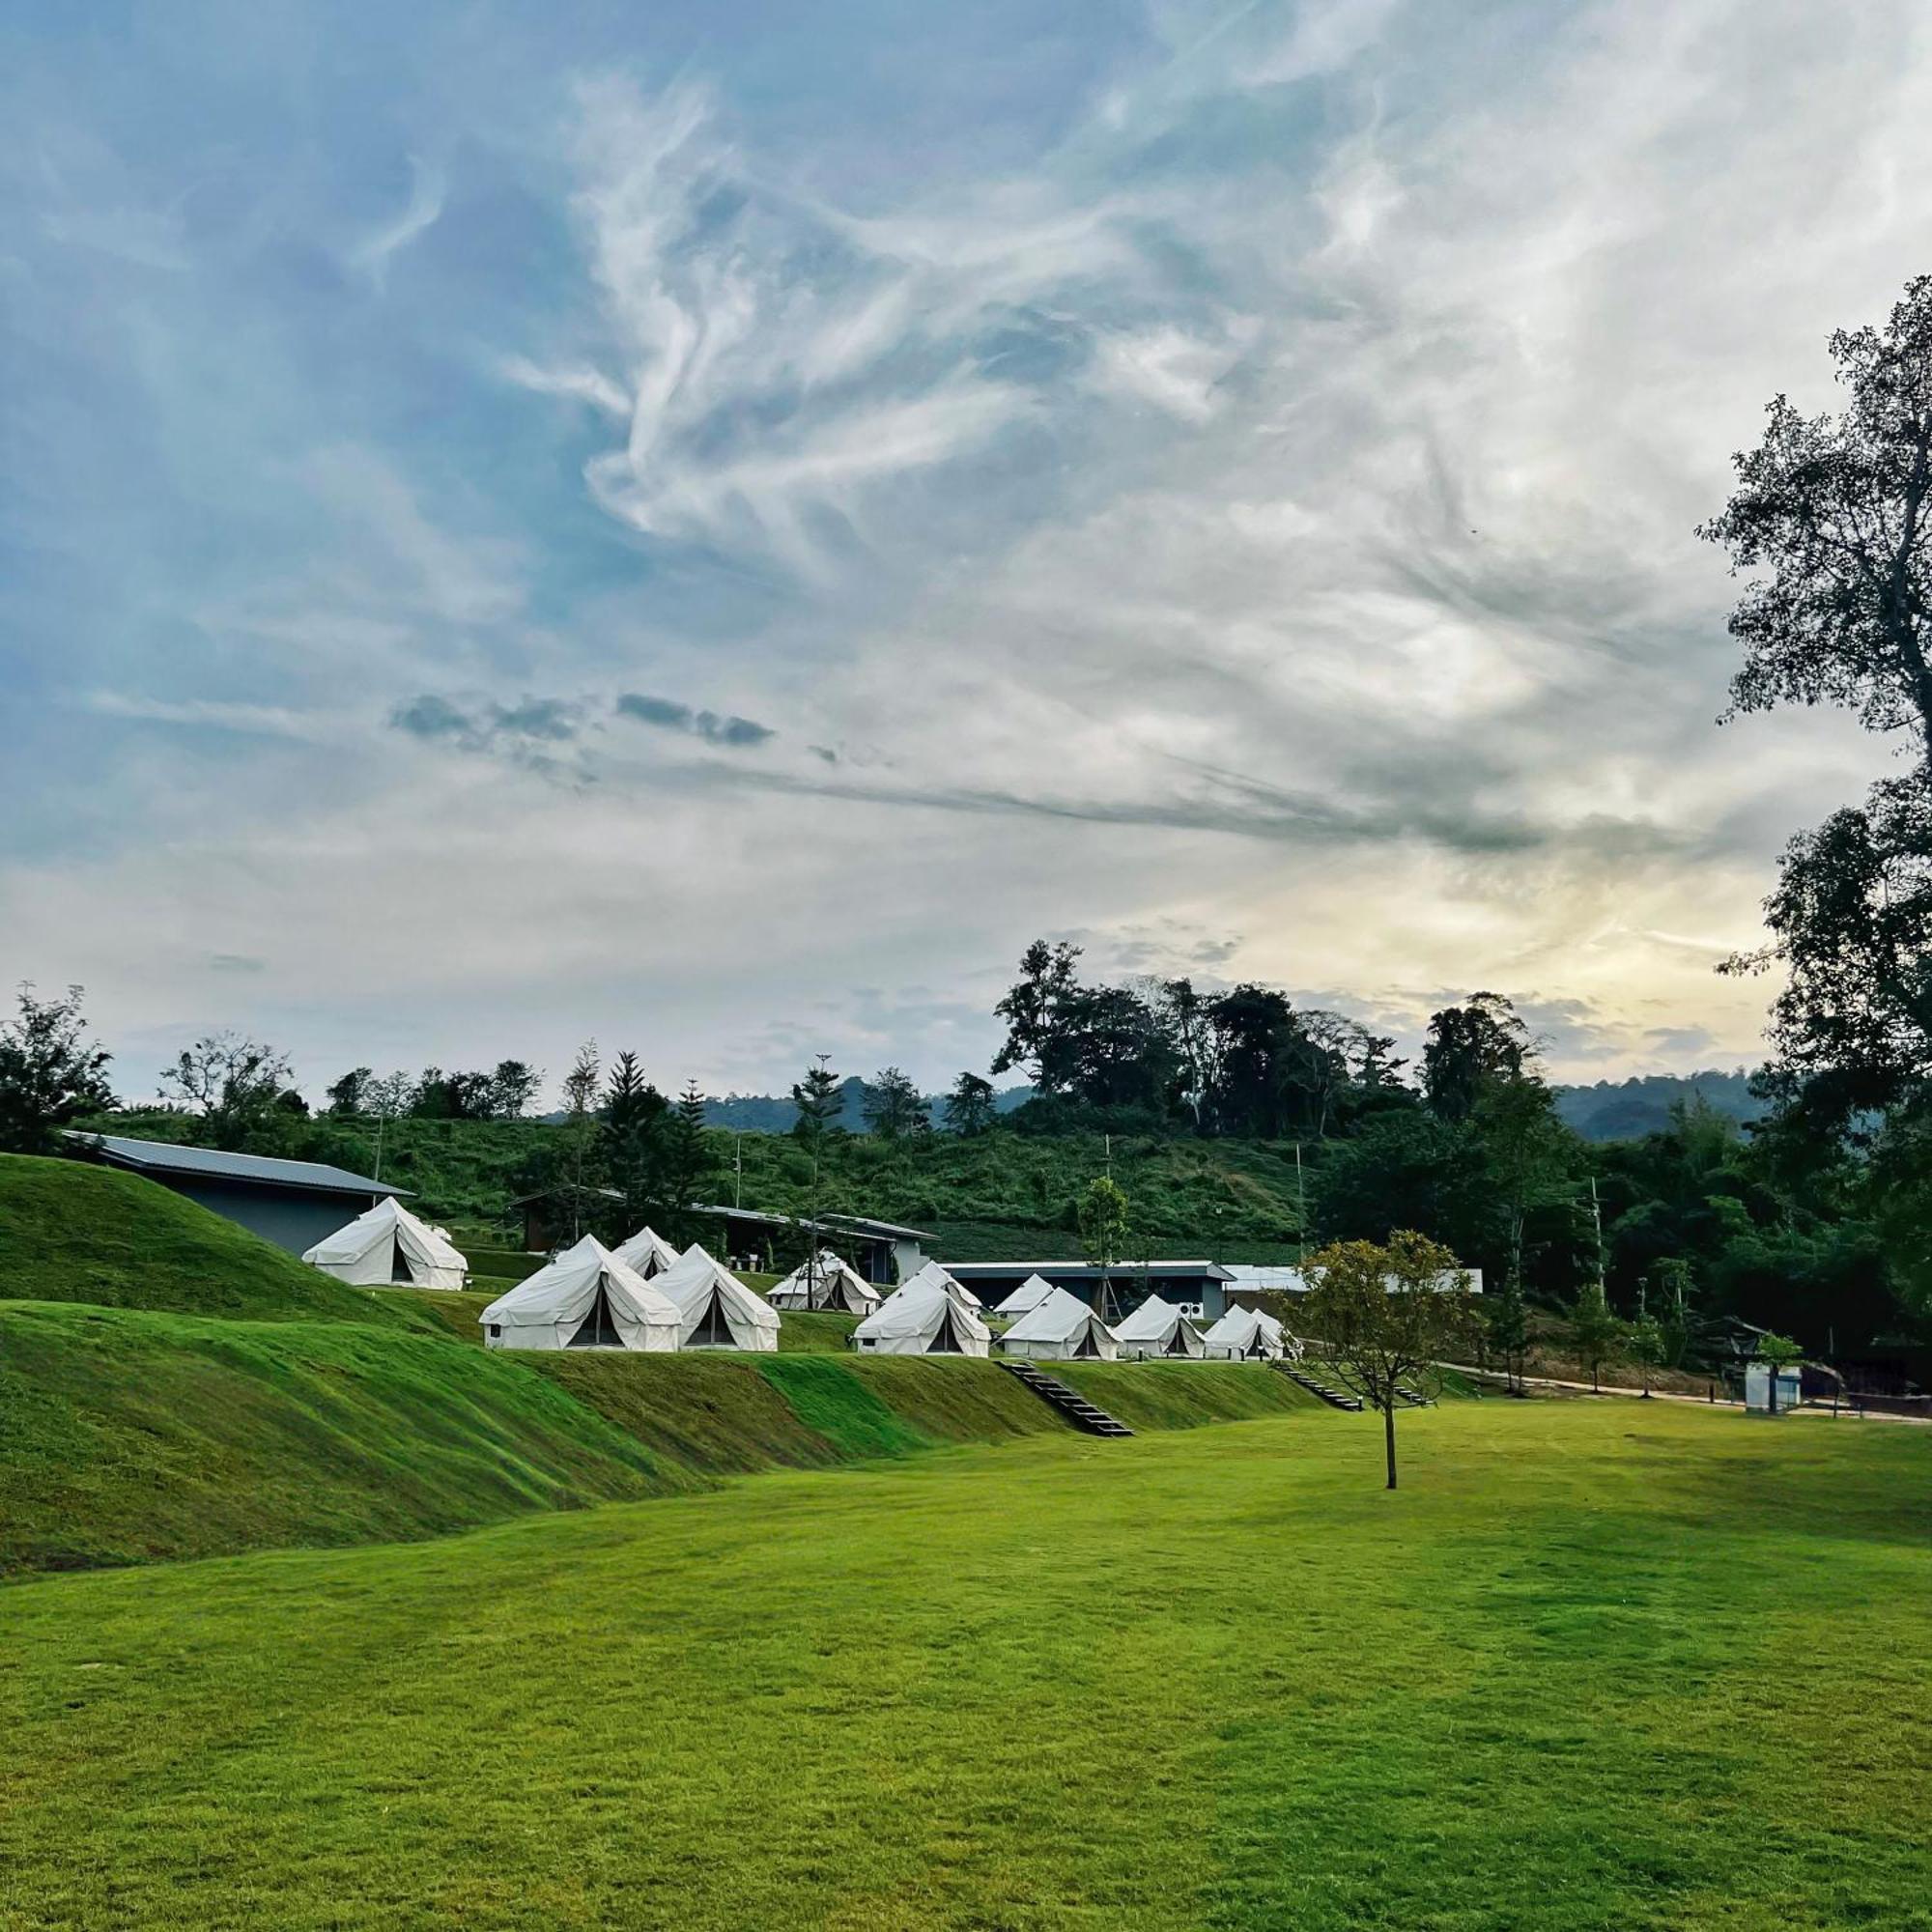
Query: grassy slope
[(1182, 1395), (1590, 1667), (127, 1435), (73, 1233)]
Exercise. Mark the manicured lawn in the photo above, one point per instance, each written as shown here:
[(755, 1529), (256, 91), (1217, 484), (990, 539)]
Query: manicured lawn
[(1596, 1667)]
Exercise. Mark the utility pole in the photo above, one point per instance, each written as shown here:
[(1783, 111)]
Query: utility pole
[(1597, 1216), (1300, 1210), (738, 1161)]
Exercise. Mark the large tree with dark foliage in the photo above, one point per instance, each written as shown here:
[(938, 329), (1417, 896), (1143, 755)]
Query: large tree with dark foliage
[(1469, 1047), (1831, 523), (894, 1108), (969, 1107), (50, 1072)]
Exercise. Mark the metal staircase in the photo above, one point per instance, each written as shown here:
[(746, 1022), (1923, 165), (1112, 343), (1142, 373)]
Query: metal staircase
[(1076, 1409), (1335, 1398)]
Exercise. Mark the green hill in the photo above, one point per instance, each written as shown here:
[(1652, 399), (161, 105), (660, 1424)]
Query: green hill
[(70, 1232)]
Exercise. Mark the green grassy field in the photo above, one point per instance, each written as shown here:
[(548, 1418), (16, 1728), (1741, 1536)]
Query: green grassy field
[(1594, 1666)]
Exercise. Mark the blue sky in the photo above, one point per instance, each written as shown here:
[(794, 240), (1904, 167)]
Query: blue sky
[(711, 527)]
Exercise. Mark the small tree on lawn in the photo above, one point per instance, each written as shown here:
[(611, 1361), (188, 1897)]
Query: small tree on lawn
[(1506, 1317), (1647, 1345), (1105, 1216), (1778, 1353), (50, 1072), (1595, 1333), (1388, 1316)]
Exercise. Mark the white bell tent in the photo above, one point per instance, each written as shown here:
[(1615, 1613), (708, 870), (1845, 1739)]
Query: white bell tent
[(826, 1282), (1025, 1297), (585, 1298), (390, 1245), (647, 1253), (1246, 1335), (1157, 1327), (716, 1309), (937, 1275), (1060, 1328), (921, 1319)]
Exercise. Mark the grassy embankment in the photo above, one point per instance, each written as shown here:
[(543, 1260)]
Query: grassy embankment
[(1592, 1666), (306, 1412)]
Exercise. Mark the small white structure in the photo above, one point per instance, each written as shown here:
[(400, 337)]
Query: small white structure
[(827, 1281), (922, 1317), (647, 1253), (717, 1310), (1157, 1327), (1759, 1378), (390, 1245), (585, 1298), (933, 1273), (1025, 1297), (1246, 1335), (1060, 1328)]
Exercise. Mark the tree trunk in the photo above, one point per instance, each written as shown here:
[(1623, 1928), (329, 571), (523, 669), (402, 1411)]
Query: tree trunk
[(1388, 1433)]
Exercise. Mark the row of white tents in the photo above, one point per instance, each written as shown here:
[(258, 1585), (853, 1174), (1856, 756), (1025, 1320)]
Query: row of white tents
[(932, 1314), (644, 1294)]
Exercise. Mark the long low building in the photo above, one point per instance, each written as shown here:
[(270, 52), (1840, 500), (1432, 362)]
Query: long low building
[(882, 1252), (1198, 1287), (294, 1203)]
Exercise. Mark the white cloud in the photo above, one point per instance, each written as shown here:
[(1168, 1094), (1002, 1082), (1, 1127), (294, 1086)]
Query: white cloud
[(428, 191)]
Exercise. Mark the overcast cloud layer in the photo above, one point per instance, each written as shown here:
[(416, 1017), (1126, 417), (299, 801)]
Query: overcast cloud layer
[(713, 529)]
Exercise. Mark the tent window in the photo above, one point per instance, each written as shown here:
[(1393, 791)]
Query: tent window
[(496, 1329), (597, 1329)]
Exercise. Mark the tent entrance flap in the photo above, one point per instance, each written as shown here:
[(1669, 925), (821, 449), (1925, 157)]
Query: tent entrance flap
[(713, 1331), (597, 1330), (399, 1266), (946, 1342), (1088, 1346), (1177, 1342)]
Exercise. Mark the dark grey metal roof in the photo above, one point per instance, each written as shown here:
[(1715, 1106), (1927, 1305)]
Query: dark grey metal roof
[(165, 1157), (969, 1272), (856, 1223)]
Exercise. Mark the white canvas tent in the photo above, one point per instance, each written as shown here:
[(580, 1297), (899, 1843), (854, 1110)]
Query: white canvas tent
[(826, 1282), (1246, 1334), (922, 1317), (1060, 1328), (716, 1309), (1027, 1295), (1157, 1327), (586, 1299), (961, 1295), (647, 1253), (390, 1245)]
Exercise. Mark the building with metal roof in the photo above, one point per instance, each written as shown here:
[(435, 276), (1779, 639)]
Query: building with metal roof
[(294, 1203), (1199, 1287), (882, 1252)]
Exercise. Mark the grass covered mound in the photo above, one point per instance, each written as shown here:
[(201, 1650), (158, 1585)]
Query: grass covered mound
[(1182, 1395), (127, 1435), (1591, 1667), (71, 1231)]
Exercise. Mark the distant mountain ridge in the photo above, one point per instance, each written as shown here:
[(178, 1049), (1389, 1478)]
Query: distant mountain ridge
[(1609, 1110), (775, 1113), (1616, 1110)]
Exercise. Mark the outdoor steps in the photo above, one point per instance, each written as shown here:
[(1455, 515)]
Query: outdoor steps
[(1076, 1409), (1335, 1398), (1413, 1398)]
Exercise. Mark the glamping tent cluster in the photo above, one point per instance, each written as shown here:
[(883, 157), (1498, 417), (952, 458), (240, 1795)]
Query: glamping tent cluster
[(645, 1295), (592, 1297), (388, 1245), (929, 1314), (825, 1281)]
